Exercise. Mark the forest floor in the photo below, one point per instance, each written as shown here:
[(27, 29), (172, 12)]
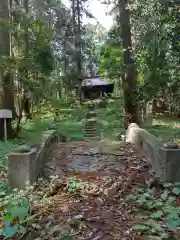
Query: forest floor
[(110, 200)]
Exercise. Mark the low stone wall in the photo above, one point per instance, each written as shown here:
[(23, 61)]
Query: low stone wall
[(165, 160), (26, 163)]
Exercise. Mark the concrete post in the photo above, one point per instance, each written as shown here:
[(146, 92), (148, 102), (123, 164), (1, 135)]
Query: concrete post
[(21, 169)]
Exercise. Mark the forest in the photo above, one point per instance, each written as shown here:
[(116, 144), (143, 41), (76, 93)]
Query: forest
[(46, 50)]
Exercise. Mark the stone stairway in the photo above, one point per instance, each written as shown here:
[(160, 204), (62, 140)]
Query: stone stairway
[(90, 127)]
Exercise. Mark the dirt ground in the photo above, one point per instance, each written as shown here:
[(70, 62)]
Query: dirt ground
[(90, 202)]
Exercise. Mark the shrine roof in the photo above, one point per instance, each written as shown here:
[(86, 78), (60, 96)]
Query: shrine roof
[(94, 81)]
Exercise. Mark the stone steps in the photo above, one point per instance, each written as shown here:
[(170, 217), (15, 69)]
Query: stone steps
[(90, 123), (90, 126), (90, 129), (90, 133), (91, 115)]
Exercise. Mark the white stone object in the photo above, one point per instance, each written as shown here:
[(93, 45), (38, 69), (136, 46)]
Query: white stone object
[(123, 138)]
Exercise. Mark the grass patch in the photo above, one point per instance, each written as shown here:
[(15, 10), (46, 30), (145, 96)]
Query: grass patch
[(166, 128), (110, 119)]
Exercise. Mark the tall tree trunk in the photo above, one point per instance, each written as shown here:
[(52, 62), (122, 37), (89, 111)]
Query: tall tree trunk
[(76, 21), (26, 100), (78, 41), (130, 71), (73, 9), (65, 47), (6, 80)]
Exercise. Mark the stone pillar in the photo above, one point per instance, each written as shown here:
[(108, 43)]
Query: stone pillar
[(21, 169), (147, 115)]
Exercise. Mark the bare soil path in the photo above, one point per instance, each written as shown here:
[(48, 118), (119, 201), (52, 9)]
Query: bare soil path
[(90, 202)]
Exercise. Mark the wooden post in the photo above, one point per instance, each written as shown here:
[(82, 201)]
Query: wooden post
[(5, 114), (82, 95), (5, 130), (101, 94)]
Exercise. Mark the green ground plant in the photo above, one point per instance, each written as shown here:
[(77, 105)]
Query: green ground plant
[(74, 184), (158, 215)]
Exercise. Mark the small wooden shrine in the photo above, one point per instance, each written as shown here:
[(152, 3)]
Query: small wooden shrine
[(95, 88)]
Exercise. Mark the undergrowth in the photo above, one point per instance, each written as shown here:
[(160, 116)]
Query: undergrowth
[(16, 207), (158, 215)]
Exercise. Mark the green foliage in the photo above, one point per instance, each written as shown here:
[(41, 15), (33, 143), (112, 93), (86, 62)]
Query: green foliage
[(140, 228), (157, 215), (16, 208), (5, 148), (46, 61), (155, 49), (111, 58), (156, 58), (74, 184), (162, 213)]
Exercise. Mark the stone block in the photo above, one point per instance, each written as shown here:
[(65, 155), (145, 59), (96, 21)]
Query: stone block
[(172, 166), (21, 169), (25, 166)]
